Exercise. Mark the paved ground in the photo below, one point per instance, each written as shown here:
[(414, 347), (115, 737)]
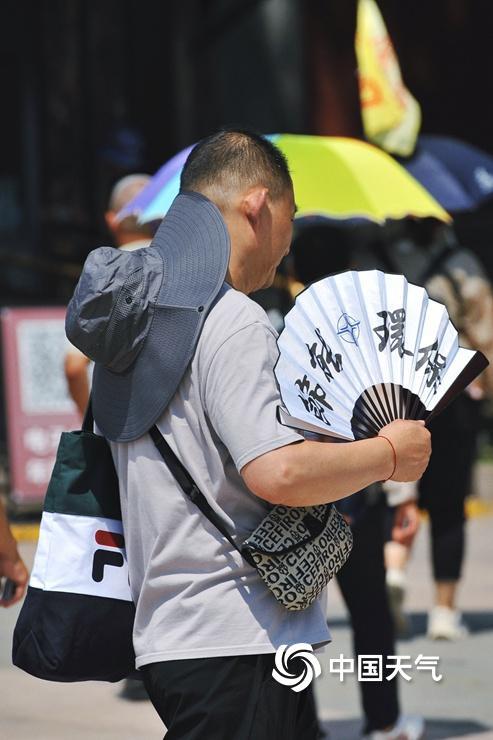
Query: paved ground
[(461, 705)]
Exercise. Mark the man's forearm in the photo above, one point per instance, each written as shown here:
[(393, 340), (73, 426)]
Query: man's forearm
[(79, 391), (8, 545), (310, 473), (76, 365), (333, 471), (11, 564)]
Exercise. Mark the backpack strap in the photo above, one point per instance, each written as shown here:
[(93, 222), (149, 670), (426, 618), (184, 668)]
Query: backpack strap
[(190, 488)]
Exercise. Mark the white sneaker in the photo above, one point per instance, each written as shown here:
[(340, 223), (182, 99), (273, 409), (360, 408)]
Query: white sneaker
[(406, 728), (446, 624)]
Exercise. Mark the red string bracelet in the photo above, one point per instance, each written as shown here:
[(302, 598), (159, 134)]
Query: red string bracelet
[(382, 436)]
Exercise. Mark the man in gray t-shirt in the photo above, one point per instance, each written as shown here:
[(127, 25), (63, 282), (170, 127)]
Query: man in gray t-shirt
[(206, 627), (196, 597)]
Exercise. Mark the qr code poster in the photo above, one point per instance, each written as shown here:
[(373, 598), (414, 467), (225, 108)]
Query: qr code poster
[(41, 346), (38, 405)]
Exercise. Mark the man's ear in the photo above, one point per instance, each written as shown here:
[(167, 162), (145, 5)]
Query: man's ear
[(253, 202)]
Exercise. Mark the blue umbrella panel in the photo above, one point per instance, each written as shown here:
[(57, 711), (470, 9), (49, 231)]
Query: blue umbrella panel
[(457, 174)]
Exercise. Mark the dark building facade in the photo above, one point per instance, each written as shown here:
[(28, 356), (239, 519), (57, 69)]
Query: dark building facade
[(94, 90)]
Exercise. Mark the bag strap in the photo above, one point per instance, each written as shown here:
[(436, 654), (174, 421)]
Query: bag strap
[(88, 420), (190, 488)]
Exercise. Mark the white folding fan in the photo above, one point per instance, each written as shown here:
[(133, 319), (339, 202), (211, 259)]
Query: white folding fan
[(360, 349)]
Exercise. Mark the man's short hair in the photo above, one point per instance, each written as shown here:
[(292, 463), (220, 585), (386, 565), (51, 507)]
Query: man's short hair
[(233, 160)]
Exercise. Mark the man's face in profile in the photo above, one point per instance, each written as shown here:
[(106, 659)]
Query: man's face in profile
[(279, 234)]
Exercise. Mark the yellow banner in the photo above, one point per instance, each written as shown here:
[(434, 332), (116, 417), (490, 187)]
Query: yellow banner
[(391, 116)]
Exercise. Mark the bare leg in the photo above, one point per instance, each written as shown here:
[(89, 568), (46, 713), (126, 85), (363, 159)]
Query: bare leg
[(445, 593)]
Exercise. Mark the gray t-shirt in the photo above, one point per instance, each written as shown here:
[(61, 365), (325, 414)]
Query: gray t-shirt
[(195, 595)]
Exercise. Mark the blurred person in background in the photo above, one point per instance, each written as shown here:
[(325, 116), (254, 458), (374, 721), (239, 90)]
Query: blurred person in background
[(12, 566), (127, 234), (320, 248), (427, 252)]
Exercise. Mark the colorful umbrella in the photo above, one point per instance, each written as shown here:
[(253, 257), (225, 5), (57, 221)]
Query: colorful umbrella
[(437, 180), (158, 195), (472, 167), (336, 177), (458, 175)]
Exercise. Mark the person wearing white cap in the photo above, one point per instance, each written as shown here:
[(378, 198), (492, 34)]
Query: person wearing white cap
[(128, 234)]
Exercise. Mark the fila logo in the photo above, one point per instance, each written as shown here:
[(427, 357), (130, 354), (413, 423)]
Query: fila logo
[(106, 557)]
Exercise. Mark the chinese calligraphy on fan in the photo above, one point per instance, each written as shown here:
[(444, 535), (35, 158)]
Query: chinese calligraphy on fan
[(395, 333), (390, 331), (314, 397), (436, 362)]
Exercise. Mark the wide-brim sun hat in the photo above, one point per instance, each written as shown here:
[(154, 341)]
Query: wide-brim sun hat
[(139, 314)]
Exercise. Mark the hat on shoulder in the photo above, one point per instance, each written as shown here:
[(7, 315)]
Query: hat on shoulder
[(139, 314)]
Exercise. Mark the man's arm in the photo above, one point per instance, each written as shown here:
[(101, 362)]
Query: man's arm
[(406, 523), (76, 365), (310, 473), (402, 498), (241, 398), (11, 564)]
